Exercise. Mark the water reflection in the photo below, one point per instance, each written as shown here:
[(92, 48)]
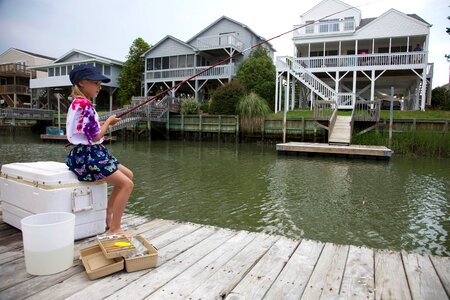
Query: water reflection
[(401, 204)]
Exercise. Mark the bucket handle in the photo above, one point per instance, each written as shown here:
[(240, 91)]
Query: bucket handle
[(77, 194)]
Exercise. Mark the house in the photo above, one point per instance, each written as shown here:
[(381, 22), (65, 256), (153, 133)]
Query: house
[(56, 86), (15, 76), (171, 61), (345, 57)]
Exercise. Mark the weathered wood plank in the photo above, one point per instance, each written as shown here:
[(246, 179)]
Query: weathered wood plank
[(145, 285), (256, 283), (327, 276), (358, 281), (292, 281), (79, 283), (390, 277), (442, 267), (422, 277), (228, 276), (186, 282)]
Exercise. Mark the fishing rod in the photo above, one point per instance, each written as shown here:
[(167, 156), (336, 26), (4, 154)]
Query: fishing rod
[(229, 58)]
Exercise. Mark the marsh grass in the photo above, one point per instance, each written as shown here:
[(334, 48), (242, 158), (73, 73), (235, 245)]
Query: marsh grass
[(252, 110)]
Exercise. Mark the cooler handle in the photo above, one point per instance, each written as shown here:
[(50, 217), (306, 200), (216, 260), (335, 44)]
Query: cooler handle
[(82, 194)]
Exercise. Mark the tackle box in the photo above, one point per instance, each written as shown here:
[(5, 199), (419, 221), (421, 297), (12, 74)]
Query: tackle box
[(48, 186), (100, 261)]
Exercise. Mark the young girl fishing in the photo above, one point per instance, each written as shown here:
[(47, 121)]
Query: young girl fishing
[(89, 159)]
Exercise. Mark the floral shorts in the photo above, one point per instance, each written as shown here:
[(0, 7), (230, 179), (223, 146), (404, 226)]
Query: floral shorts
[(91, 162)]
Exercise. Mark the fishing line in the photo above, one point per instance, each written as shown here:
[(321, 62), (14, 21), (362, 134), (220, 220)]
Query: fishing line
[(231, 57)]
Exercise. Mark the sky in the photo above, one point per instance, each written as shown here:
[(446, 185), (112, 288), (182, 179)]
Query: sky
[(109, 27)]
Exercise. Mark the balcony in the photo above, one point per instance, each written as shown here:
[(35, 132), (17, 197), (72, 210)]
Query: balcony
[(14, 89), (218, 42), (218, 72), (377, 61), (16, 69), (325, 28)]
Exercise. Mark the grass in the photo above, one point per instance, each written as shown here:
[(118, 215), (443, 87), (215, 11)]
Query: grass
[(407, 114)]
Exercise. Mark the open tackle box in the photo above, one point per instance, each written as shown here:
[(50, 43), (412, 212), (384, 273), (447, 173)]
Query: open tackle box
[(48, 186), (116, 252)]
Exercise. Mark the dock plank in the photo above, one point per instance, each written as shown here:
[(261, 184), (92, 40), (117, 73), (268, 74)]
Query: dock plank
[(327, 276), (390, 277), (442, 266), (422, 277), (293, 279), (358, 278), (258, 281)]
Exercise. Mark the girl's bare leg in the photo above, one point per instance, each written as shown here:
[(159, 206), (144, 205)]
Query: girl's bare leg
[(123, 186), (109, 212)]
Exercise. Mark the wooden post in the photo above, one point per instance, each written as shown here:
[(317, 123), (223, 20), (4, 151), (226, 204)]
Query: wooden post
[(391, 116), (286, 104), (182, 126)]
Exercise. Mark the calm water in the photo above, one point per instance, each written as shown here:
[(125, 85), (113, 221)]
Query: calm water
[(400, 204)]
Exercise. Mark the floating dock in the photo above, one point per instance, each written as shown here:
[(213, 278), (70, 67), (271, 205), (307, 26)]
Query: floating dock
[(337, 150), (203, 262)]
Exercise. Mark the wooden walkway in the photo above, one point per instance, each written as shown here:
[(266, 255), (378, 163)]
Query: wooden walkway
[(203, 262)]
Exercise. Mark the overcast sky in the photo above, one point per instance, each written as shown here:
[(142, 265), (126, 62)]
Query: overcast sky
[(108, 27)]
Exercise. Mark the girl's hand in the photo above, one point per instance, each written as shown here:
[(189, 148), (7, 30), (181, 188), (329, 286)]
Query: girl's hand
[(113, 120)]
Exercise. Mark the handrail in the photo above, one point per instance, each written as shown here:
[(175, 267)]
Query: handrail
[(332, 121)]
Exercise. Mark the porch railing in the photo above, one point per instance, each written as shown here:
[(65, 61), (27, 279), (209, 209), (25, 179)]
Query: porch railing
[(26, 113), (218, 41), (222, 71), (14, 89), (367, 110), (394, 60), (16, 69)]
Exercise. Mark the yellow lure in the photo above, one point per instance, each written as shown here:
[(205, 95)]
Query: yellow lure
[(122, 244)]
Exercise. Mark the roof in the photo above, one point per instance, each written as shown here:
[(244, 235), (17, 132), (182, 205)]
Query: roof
[(168, 37), (346, 5), (366, 21), (31, 53), (95, 56), (231, 20)]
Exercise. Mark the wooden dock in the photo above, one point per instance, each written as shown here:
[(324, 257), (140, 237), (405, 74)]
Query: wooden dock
[(203, 262), (339, 150)]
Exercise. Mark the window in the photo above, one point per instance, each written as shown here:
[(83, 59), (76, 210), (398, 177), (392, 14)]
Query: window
[(309, 27), (182, 61), (107, 70), (157, 65), (190, 61), (349, 23), (63, 70), (57, 71), (165, 62), (99, 67), (51, 72), (329, 26), (173, 63), (149, 64), (69, 68)]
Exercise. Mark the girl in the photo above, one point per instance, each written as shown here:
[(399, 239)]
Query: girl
[(89, 159)]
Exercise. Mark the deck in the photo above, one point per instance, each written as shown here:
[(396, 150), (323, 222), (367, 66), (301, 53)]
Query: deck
[(339, 150), (204, 262)]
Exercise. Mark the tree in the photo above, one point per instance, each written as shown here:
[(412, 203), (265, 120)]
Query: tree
[(130, 77), (440, 98), (257, 74), (226, 97)]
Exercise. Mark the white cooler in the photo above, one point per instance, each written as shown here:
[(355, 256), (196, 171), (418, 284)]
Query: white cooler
[(47, 186)]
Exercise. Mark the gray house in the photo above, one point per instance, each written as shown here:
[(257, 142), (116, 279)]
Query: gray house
[(171, 61), (56, 86)]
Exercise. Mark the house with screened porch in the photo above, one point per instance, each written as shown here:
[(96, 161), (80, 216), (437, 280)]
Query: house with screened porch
[(350, 60), (171, 61)]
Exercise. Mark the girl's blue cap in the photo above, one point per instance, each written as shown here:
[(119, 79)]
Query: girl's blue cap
[(86, 72)]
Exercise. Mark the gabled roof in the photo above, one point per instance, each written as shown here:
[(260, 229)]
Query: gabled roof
[(413, 17), (168, 37), (324, 2), (30, 53), (233, 21), (94, 56)]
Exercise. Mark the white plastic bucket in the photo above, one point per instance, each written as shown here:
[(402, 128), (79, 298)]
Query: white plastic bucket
[(48, 242)]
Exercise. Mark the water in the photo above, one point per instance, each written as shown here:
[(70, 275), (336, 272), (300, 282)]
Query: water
[(49, 262), (402, 204)]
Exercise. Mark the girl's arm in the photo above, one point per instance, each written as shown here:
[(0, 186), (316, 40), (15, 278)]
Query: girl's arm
[(110, 121)]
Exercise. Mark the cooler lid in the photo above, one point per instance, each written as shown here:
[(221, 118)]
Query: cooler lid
[(41, 172)]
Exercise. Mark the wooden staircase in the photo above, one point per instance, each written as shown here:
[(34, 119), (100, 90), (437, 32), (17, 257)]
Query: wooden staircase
[(341, 131)]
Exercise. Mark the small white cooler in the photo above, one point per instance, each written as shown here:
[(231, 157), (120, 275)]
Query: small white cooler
[(47, 186)]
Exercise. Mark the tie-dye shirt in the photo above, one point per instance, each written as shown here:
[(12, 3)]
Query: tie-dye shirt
[(82, 123)]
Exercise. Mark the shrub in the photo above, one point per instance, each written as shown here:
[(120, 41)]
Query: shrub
[(226, 97), (252, 110), (190, 106), (440, 98)]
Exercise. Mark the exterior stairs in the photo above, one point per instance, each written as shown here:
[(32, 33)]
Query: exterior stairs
[(341, 132)]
